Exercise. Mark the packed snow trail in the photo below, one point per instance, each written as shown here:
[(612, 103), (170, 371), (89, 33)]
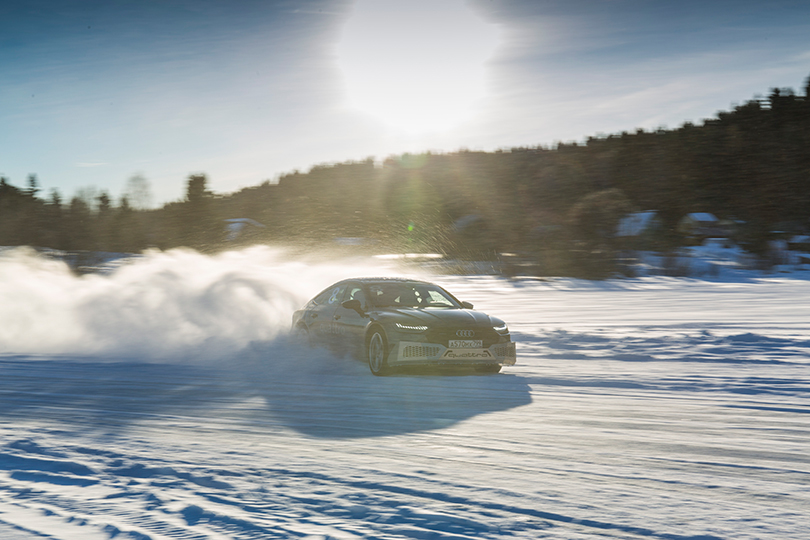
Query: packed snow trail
[(650, 408)]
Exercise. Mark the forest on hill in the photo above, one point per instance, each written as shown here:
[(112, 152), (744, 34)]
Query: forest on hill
[(749, 166)]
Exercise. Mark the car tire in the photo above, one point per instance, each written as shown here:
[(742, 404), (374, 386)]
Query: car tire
[(300, 336), (377, 353)]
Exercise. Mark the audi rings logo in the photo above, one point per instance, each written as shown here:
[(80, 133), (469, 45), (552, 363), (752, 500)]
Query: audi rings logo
[(465, 333)]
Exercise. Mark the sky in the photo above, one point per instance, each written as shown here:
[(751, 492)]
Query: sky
[(95, 92)]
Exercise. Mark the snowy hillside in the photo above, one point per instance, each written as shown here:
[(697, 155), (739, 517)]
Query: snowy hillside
[(163, 401)]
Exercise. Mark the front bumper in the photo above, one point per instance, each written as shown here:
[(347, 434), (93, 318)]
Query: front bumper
[(412, 352)]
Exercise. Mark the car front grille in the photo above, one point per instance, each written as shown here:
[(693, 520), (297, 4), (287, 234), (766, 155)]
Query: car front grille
[(419, 351), (502, 350)]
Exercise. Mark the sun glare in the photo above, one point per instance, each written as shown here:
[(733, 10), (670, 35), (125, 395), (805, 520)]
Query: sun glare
[(417, 66)]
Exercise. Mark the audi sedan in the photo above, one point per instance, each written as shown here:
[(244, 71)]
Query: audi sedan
[(394, 322)]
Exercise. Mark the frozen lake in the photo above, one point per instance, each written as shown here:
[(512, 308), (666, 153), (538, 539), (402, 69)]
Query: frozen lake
[(164, 401)]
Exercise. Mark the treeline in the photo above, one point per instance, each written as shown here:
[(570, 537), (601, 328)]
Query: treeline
[(561, 205)]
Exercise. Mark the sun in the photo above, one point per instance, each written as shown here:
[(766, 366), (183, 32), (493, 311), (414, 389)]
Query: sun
[(419, 65)]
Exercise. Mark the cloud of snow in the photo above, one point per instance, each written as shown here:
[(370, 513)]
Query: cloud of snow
[(174, 304)]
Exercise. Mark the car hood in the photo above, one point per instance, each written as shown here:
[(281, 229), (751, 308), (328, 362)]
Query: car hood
[(439, 317)]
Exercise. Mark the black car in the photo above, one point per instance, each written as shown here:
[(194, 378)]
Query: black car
[(394, 322)]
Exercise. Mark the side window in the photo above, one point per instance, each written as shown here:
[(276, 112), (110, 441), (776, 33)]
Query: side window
[(355, 292), (322, 298), (336, 293), (438, 299), (329, 296)]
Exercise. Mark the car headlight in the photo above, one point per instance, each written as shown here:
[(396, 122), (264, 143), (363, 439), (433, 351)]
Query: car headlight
[(502, 329), (411, 327)]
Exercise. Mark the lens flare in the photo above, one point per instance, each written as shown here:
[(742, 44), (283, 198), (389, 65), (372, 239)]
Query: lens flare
[(418, 66)]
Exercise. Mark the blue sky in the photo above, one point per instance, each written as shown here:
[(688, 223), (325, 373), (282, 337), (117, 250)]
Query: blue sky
[(94, 92)]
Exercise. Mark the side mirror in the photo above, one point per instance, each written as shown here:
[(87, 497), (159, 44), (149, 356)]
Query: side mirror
[(353, 304), (466, 305)]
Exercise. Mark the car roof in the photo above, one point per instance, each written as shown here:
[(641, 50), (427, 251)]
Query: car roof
[(367, 280)]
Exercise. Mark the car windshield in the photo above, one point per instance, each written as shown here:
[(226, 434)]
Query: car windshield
[(410, 294)]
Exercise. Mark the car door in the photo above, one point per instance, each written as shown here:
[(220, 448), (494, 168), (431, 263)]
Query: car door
[(350, 325), (320, 315)]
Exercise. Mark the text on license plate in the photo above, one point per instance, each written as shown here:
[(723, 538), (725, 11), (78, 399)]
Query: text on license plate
[(466, 343)]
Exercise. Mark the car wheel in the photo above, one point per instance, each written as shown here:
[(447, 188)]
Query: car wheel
[(300, 336), (378, 353)]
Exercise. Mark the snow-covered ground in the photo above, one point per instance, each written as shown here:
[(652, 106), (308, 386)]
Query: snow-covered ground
[(164, 401)]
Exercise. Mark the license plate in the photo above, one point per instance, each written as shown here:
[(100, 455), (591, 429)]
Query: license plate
[(466, 343)]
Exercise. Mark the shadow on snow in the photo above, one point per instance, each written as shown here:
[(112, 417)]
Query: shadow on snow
[(309, 391)]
